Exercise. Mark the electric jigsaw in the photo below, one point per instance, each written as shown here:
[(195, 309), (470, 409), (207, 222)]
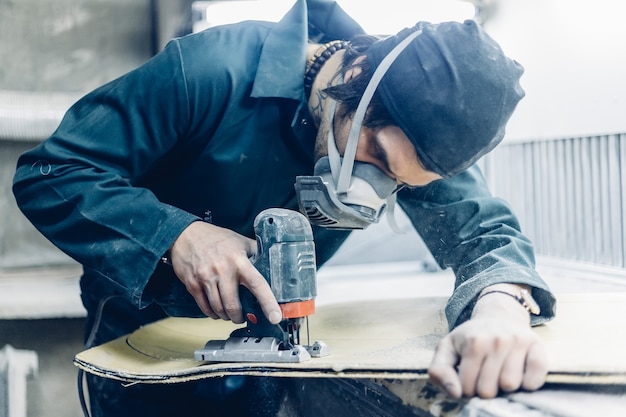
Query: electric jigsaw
[(286, 259)]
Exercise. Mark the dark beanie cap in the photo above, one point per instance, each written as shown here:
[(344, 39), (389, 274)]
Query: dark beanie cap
[(451, 91)]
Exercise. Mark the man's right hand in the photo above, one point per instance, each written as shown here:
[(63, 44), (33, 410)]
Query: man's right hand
[(212, 262)]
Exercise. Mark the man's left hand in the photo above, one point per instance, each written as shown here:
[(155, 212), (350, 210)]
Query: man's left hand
[(495, 350)]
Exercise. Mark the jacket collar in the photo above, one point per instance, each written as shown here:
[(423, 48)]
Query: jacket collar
[(280, 72)]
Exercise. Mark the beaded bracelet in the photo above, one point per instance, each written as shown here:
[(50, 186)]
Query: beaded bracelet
[(318, 60)]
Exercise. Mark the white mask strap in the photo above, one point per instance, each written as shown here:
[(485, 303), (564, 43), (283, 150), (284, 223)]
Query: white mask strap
[(391, 211), (333, 153)]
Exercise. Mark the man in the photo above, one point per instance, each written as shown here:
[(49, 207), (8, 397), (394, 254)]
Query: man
[(221, 124)]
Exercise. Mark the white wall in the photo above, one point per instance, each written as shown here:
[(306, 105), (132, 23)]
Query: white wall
[(390, 16), (574, 52)]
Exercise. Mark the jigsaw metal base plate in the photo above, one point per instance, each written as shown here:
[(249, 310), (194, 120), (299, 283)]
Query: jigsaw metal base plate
[(250, 349)]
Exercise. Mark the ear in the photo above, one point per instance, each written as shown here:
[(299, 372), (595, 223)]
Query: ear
[(355, 70)]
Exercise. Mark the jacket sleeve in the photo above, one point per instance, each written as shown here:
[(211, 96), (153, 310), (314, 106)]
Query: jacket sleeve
[(80, 187), (477, 235)]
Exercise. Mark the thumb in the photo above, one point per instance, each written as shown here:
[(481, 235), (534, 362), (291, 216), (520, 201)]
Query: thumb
[(442, 368)]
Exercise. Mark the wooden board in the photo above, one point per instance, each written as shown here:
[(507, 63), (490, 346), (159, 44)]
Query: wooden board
[(370, 339)]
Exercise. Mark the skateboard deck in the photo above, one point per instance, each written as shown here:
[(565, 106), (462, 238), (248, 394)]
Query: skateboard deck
[(369, 339)]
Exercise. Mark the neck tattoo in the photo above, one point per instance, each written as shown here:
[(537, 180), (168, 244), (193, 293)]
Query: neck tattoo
[(320, 57)]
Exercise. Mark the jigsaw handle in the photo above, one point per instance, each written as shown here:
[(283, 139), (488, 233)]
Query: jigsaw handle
[(286, 259), (286, 254)]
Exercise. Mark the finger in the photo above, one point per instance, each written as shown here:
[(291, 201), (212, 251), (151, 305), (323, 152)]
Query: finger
[(472, 357), (205, 307), (215, 298), (197, 292), (442, 368), (229, 295), (513, 369), (488, 382), (252, 279), (536, 367), (210, 313)]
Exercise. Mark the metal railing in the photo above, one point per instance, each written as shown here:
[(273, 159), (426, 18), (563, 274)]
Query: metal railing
[(15, 367), (568, 194)]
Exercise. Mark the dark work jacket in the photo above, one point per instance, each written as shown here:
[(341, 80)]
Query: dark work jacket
[(217, 122)]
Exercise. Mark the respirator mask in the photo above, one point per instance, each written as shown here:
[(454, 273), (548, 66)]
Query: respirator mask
[(343, 193)]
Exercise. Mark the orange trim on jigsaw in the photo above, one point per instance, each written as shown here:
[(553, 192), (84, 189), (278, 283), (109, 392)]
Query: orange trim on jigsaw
[(298, 309)]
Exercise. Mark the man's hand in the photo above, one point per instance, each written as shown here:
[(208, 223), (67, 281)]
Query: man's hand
[(212, 261), (495, 350)]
